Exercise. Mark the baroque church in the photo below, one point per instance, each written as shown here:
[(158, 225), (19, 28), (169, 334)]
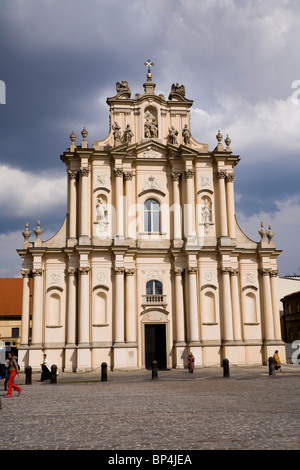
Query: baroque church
[(150, 262)]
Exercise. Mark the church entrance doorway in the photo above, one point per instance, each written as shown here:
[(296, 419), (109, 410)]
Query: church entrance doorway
[(155, 345)]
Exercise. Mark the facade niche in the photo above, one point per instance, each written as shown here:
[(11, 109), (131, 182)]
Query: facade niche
[(150, 123)]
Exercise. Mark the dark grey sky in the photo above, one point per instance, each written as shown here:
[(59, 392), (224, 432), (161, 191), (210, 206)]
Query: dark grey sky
[(61, 59)]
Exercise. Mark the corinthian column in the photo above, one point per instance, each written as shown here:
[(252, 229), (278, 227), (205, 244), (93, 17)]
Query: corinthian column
[(71, 310), (193, 306), (84, 203), (267, 305), (37, 310), (130, 226), (180, 333), (226, 305), (25, 307), (189, 206), (130, 307), (222, 204), (72, 203), (119, 306), (84, 308), (274, 294), (230, 205), (177, 233), (119, 203), (236, 314)]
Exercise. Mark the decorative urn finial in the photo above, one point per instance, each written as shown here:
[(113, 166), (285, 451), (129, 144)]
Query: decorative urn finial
[(73, 137), (84, 133), (26, 234)]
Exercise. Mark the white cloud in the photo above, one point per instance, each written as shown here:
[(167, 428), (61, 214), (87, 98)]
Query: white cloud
[(285, 223), (11, 262), (272, 124), (25, 193)]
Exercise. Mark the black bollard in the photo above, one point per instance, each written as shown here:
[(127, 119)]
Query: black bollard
[(53, 374), (225, 365), (154, 370), (28, 375), (272, 366), (103, 372)]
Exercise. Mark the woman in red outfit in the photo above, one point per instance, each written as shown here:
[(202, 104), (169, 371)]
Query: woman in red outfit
[(13, 371)]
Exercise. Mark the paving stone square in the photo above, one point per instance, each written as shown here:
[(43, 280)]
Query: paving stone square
[(250, 410)]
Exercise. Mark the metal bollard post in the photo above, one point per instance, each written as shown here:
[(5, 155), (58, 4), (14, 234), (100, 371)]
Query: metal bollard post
[(28, 375), (272, 366), (154, 370), (225, 365), (103, 372), (53, 374)]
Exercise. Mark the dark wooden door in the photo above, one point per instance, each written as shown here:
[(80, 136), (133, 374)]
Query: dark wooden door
[(155, 346)]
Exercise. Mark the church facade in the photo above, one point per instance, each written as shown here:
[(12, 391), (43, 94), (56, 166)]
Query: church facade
[(150, 262)]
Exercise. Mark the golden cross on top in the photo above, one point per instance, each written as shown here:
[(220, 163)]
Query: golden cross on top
[(149, 64)]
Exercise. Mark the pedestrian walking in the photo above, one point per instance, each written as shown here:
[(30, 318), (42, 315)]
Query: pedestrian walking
[(13, 370), (277, 361), (191, 362), (46, 369)]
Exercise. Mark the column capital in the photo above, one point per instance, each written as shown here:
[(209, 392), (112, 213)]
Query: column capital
[(178, 271), (72, 271), (189, 173), (265, 271), (25, 273), (229, 177), (176, 175), (84, 171), (192, 270), (119, 270), (129, 272), (221, 174), (84, 270), (118, 172), (128, 175), (72, 174), (37, 272)]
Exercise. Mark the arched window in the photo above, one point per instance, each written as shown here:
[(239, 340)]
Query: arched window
[(152, 216), (154, 293), (154, 287)]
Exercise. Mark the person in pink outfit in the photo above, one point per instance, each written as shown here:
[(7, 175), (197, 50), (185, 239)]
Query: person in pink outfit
[(191, 362), (12, 371)]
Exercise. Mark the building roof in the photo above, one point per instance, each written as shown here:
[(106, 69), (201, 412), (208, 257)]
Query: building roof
[(11, 296), (291, 295)]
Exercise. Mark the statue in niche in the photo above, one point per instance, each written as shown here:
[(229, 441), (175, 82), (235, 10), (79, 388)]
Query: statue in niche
[(128, 134), (206, 215), (102, 214), (150, 127), (172, 137), (186, 134), (117, 133)]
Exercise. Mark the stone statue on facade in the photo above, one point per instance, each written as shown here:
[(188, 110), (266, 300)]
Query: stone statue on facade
[(172, 136), (128, 134), (176, 88), (102, 214), (150, 127), (122, 86), (117, 133), (186, 134)]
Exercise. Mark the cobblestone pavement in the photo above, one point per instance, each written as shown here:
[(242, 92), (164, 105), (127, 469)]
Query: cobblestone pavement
[(251, 410)]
